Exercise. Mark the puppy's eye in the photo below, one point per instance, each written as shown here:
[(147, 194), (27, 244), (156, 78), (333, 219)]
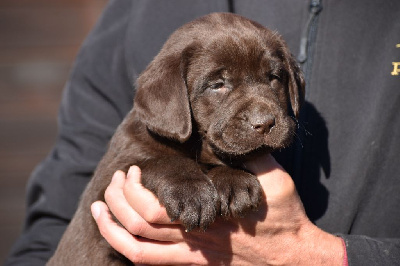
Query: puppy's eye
[(217, 86), (276, 77)]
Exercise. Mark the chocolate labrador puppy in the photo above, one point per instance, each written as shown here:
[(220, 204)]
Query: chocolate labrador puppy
[(221, 90)]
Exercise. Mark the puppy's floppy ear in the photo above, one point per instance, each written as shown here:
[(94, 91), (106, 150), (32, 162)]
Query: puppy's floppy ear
[(296, 85), (161, 100)]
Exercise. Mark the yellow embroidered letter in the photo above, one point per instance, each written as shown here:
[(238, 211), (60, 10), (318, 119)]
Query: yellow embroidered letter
[(396, 68)]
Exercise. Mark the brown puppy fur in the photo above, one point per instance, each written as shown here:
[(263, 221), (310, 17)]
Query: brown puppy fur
[(222, 89)]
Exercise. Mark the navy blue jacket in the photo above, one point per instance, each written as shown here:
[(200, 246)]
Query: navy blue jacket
[(345, 162)]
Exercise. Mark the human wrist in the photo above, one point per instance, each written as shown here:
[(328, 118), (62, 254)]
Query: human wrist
[(308, 245), (319, 247)]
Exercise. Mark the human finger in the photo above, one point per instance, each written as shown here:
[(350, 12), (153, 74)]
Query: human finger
[(276, 182), (140, 250), (143, 201), (130, 219)]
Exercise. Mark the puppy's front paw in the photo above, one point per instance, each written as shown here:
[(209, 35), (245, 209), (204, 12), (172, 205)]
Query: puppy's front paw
[(238, 191), (193, 201)]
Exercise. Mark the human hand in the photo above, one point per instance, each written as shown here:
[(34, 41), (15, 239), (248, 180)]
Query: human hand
[(278, 233)]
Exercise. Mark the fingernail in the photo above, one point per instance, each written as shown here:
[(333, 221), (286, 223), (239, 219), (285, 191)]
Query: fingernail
[(115, 176), (132, 170), (95, 208)]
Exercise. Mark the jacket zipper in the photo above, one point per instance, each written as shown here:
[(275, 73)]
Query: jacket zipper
[(305, 58)]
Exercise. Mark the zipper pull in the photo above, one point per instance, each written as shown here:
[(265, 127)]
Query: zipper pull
[(315, 8)]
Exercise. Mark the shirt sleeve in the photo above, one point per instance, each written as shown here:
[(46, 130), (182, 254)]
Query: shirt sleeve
[(96, 97), (363, 250)]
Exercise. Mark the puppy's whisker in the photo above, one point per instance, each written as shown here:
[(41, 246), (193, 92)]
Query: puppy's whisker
[(299, 139)]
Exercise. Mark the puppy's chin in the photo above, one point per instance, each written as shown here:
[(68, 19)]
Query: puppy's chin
[(241, 140), (237, 159)]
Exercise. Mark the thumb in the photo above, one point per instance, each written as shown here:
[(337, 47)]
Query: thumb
[(276, 182)]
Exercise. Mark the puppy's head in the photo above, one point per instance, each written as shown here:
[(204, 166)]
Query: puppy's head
[(232, 77)]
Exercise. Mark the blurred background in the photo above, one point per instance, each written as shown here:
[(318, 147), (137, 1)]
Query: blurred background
[(39, 40)]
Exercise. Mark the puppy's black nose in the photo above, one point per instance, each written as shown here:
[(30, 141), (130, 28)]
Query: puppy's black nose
[(263, 125)]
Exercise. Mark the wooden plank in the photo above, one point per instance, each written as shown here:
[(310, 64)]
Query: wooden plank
[(45, 26), (20, 55), (32, 80), (57, 3)]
